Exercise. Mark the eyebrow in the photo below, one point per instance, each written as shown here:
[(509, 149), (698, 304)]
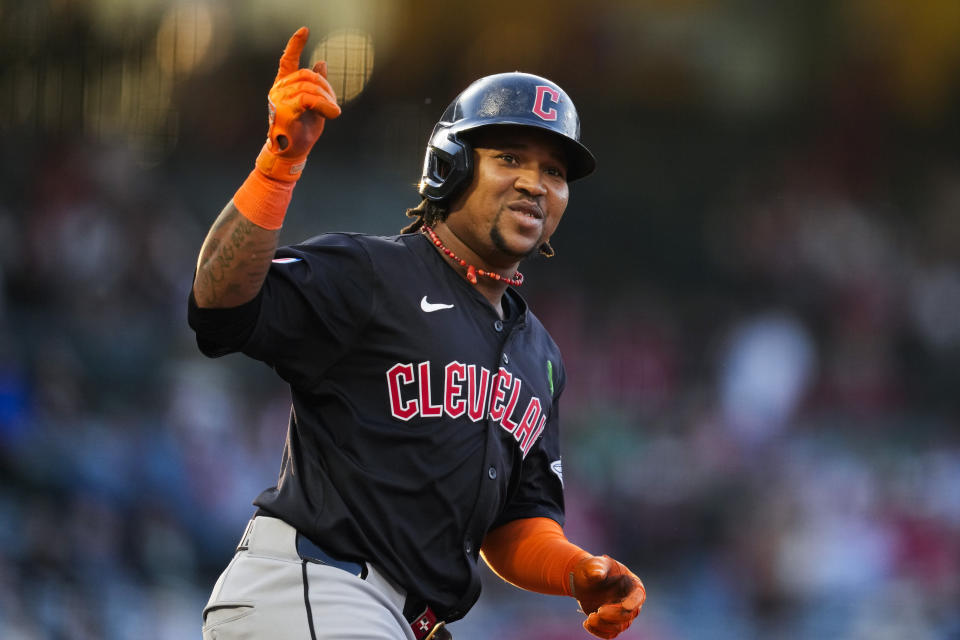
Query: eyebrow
[(559, 156)]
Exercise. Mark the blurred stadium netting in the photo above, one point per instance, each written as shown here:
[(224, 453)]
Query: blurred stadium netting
[(757, 296)]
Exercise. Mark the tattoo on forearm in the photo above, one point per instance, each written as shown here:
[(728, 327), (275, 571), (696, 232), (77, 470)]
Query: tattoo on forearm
[(241, 231), (234, 260)]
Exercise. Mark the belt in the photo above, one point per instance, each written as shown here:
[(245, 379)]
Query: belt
[(423, 621), (421, 618), (310, 552)]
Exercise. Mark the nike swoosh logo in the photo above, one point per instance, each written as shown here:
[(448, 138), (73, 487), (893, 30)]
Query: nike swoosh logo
[(430, 307)]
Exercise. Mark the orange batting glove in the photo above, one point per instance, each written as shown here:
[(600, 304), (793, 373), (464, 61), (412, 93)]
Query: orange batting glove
[(299, 103), (609, 593)]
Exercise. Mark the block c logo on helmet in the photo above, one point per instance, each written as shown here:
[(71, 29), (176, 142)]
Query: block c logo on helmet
[(539, 108)]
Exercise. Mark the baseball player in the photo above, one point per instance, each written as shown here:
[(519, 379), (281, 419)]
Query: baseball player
[(423, 431)]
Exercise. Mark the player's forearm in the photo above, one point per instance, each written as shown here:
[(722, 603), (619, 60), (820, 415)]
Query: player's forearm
[(533, 554), (234, 260)]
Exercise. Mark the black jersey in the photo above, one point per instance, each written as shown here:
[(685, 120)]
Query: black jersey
[(420, 420)]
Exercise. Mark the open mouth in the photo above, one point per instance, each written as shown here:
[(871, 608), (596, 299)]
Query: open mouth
[(529, 209)]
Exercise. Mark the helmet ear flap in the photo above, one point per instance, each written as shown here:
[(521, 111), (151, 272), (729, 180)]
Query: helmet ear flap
[(447, 164)]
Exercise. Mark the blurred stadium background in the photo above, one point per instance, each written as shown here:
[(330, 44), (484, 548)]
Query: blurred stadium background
[(757, 296)]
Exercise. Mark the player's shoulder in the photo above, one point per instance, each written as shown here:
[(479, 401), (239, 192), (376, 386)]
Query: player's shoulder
[(538, 343), (367, 242), (320, 249), (537, 328), (532, 324), (337, 244)]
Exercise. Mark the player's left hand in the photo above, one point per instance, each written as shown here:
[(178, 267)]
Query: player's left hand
[(609, 593)]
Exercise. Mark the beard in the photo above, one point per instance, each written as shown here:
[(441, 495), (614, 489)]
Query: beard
[(501, 244)]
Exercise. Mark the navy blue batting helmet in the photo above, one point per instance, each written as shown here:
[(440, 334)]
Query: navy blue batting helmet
[(503, 99)]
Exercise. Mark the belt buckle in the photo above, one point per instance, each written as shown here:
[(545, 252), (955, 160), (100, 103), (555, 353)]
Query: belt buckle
[(438, 632)]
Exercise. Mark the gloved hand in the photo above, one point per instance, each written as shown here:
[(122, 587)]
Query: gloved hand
[(299, 103), (609, 593)]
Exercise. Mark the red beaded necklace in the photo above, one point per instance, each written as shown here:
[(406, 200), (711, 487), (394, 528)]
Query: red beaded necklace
[(472, 271)]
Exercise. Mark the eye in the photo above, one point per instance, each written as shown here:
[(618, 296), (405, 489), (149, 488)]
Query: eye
[(509, 158), (555, 171)]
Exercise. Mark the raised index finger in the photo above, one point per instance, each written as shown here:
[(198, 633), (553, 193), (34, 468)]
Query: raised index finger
[(290, 60)]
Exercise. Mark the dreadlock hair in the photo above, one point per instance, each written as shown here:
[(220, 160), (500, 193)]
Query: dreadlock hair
[(430, 213), (427, 213)]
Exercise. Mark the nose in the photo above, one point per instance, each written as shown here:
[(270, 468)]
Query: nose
[(530, 181)]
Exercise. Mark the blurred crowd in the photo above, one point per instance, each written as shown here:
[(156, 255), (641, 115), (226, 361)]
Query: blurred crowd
[(776, 451)]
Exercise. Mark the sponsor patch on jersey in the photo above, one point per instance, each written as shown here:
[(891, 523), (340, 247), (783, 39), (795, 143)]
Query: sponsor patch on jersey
[(285, 260), (557, 467)]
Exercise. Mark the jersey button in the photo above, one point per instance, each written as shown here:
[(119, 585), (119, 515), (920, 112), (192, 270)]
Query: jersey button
[(498, 326), (468, 545), (492, 473)]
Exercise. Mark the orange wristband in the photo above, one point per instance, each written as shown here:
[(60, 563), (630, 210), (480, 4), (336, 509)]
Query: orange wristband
[(263, 201)]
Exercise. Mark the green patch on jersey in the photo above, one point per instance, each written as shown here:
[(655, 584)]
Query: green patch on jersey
[(550, 375)]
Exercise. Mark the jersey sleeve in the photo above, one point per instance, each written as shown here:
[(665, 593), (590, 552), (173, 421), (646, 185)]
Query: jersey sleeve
[(539, 492), (222, 331), (315, 301)]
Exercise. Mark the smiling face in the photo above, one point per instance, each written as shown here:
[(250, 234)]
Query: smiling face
[(516, 197)]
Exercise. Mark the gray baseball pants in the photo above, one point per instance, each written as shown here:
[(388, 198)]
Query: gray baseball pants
[(268, 592)]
